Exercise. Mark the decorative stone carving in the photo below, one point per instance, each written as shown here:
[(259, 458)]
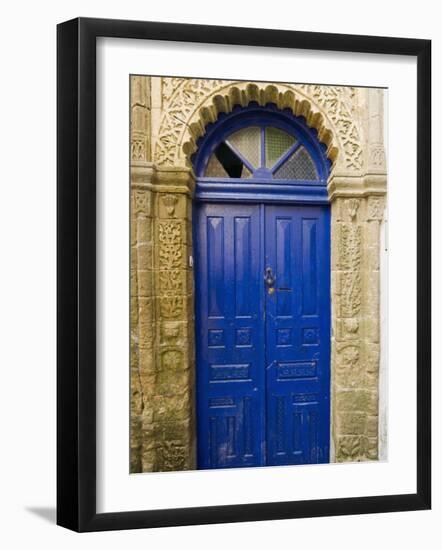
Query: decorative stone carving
[(171, 457), (171, 307), (349, 448), (190, 104), (350, 247), (377, 155), (138, 149), (171, 282), (172, 360), (375, 208), (170, 246), (351, 293), (141, 202), (169, 202), (337, 102), (352, 208)]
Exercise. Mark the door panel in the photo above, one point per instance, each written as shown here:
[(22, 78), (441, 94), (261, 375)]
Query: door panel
[(230, 336), (297, 334)]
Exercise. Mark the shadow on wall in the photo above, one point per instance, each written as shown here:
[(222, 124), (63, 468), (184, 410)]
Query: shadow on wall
[(47, 513)]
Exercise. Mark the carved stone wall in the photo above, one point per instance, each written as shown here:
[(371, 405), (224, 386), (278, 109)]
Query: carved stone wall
[(169, 115)]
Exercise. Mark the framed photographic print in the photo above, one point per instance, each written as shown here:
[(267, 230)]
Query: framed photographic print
[(243, 274)]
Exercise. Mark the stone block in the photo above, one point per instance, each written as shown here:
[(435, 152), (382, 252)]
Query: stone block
[(351, 423), (172, 383), (145, 283), (133, 311), (171, 409), (146, 310), (146, 360), (372, 426), (145, 256), (144, 229), (352, 400)]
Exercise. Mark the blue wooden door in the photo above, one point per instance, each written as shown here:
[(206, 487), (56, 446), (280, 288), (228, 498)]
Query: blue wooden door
[(230, 336), (262, 334), (297, 305)]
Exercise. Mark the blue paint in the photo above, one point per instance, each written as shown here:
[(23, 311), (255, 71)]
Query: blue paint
[(297, 242), (229, 298), (262, 346)]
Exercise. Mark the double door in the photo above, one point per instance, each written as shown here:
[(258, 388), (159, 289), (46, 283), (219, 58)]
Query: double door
[(262, 276)]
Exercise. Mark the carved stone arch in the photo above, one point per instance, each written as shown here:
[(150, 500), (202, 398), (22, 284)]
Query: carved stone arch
[(191, 104)]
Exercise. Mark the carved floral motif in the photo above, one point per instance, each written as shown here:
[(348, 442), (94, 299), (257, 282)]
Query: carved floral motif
[(337, 102), (171, 307), (170, 250), (350, 247), (171, 282), (350, 293)]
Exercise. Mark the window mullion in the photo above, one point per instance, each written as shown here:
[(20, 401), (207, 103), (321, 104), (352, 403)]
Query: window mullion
[(263, 145), (240, 156), (286, 155)]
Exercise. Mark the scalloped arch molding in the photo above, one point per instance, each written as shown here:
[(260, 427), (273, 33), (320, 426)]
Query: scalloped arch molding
[(191, 104)]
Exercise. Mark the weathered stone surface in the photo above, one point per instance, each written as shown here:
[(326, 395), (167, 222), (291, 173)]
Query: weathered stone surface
[(348, 448), (352, 400), (356, 321), (352, 423)]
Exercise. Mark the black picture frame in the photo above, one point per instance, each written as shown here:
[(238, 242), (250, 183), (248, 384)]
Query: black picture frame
[(77, 287)]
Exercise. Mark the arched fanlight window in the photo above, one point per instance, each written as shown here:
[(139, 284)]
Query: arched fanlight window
[(262, 144), (249, 150)]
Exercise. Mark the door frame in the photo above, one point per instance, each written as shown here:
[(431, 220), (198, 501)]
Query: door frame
[(263, 191)]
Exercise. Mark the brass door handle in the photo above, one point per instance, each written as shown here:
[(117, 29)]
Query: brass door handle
[(269, 278)]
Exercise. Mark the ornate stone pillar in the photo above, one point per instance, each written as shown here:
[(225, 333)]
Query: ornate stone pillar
[(141, 272), (162, 338), (173, 398), (358, 203)]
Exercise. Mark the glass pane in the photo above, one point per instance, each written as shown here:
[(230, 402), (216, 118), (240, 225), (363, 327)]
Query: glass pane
[(248, 142), (276, 144), (225, 163), (299, 166), (215, 168)]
